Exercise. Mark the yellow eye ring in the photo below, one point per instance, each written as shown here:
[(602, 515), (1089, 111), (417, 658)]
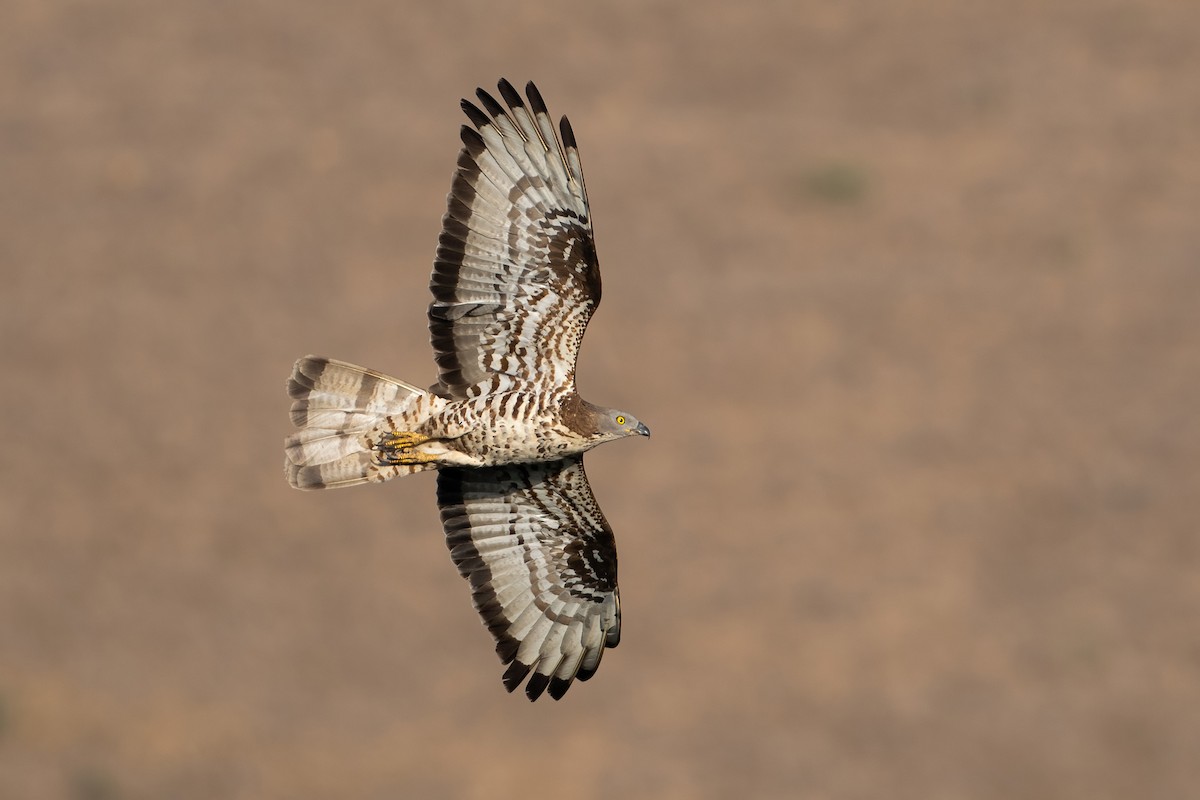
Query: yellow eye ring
[(620, 420)]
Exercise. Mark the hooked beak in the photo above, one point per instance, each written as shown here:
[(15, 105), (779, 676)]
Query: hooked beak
[(641, 429)]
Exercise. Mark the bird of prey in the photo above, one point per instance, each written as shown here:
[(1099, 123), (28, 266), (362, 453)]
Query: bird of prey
[(515, 281)]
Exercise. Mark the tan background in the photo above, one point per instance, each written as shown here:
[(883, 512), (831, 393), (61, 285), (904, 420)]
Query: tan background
[(907, 292)]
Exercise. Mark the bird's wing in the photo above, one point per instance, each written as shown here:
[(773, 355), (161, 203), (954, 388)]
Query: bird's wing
[(515, 279), (542, 565)]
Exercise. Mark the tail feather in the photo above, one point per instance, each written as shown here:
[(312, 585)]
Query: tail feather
[(341, 409), (348, 471), (336, 395)]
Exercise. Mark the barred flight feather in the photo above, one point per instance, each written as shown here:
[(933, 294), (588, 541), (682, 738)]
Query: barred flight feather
[(533, 509), (516, 204)]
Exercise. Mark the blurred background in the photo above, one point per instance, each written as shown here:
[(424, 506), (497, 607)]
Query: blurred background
[(907, 292)]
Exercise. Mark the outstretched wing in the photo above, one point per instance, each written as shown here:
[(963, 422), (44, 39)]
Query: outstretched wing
[(515, 279), (542, 565)]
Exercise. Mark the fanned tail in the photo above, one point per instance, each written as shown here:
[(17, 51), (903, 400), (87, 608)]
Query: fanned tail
[(342, 410)]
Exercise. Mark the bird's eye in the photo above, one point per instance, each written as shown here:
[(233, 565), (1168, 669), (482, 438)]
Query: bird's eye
[(620, 420)]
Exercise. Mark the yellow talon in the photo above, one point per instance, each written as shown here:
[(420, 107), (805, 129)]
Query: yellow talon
[(396, 447), (414, 457), (399, 440)]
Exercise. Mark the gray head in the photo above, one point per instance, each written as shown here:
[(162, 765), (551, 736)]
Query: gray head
[(598, 423), (613, 424)]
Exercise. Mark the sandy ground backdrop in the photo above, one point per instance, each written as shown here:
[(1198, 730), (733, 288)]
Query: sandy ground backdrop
[(907, 292)]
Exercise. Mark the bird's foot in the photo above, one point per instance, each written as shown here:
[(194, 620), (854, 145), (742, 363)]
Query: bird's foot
[(399, 440), (397, 447)]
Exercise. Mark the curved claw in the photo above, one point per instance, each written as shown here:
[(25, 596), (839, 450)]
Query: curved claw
[(399, 440), (396, 448)]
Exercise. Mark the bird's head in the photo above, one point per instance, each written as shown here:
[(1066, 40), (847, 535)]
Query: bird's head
[(613, 424), (597, 423)]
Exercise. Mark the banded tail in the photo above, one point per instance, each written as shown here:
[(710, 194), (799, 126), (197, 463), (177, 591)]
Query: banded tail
[(342, 411)]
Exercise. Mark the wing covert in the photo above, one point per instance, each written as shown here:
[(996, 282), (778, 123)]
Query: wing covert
[(516, 278), (542, 564)]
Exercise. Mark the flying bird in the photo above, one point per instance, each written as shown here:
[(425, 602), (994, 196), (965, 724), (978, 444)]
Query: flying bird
[(515, 281)]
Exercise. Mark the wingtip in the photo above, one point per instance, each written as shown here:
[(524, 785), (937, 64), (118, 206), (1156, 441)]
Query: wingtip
[(506, 648), (535, 98), (558, 687), (536, 686), (472, 141), (509, 93), (489, 103), (568, 133), (515, 673), (473, 112)]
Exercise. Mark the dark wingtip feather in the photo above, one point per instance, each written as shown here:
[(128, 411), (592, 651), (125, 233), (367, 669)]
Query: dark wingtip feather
[(510, 95), (489, 103), (584, 673), (568, 134), (537, 684), (535, 98), (473, 141), (558, 687), (515, 673), (477, 117), (506, 648)]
